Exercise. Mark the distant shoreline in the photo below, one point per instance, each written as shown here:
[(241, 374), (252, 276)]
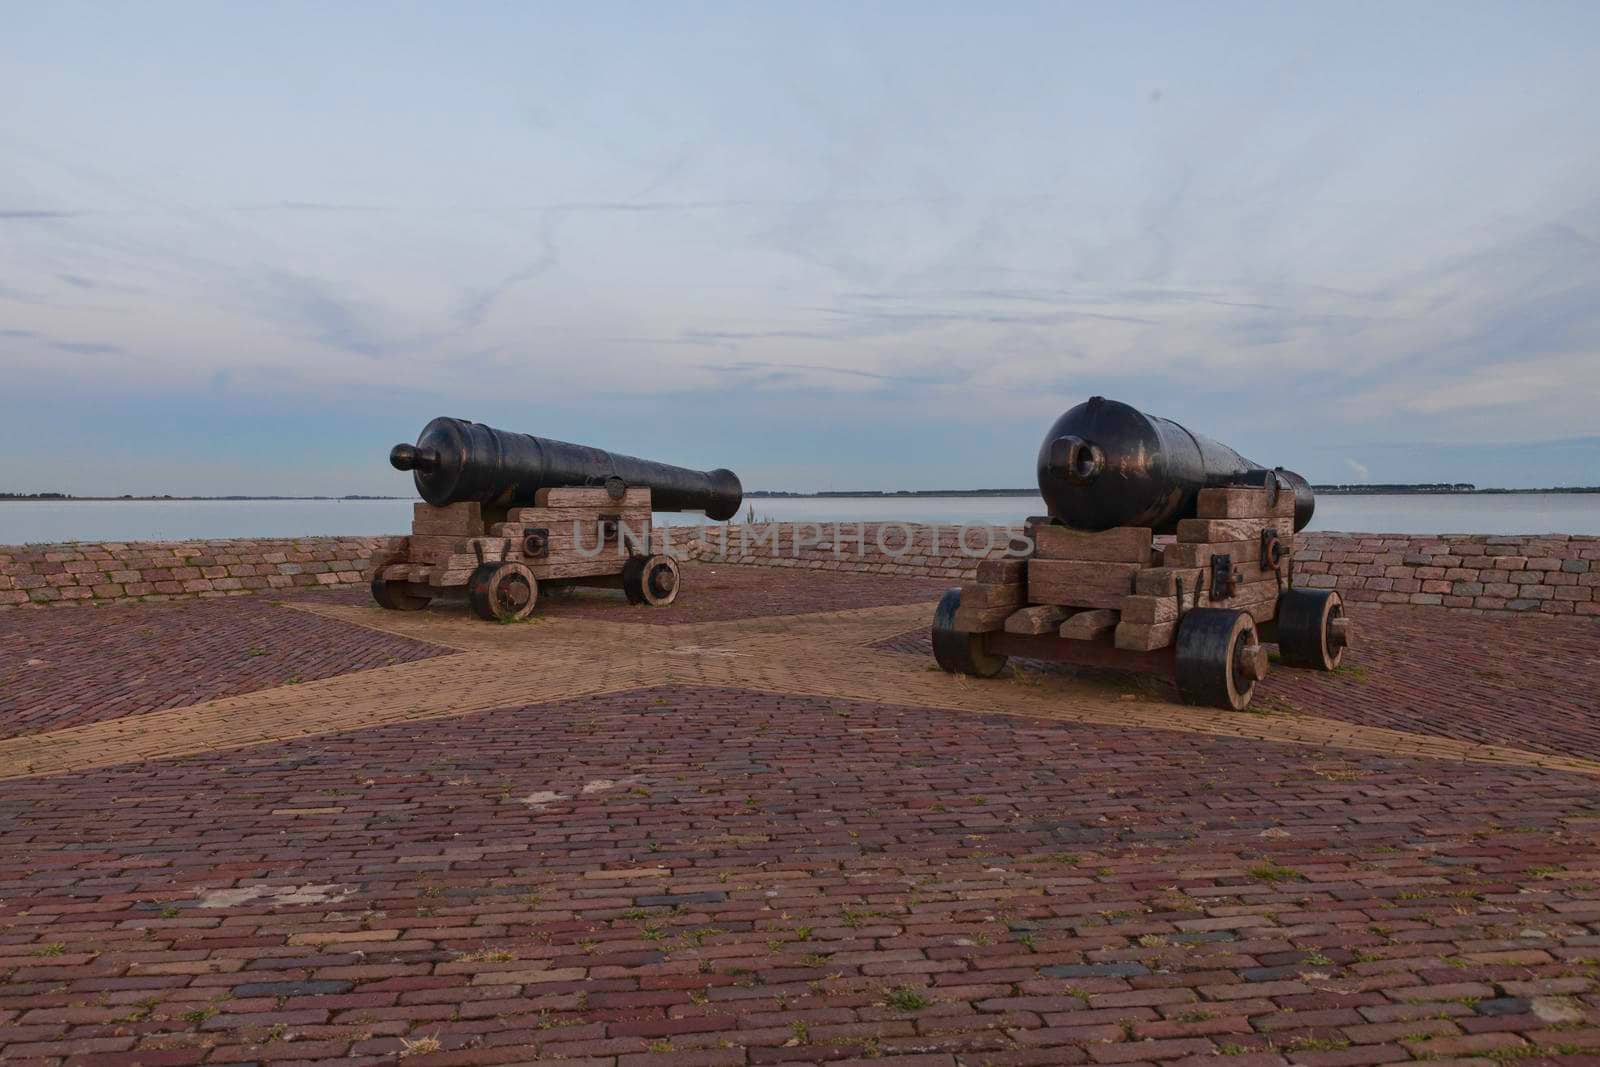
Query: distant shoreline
[(1320, 490), (840, 494), (172, 499)]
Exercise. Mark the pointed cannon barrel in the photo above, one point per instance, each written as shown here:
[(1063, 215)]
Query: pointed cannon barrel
[(1105, 463), (455, 460)]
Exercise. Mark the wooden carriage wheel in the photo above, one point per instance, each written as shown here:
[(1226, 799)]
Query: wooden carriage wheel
[(958, 651), (652, 580), (395, 596), (1219, 658), (502, 592), (1313, 631)]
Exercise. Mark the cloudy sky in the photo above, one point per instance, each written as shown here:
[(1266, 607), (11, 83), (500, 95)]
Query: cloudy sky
[(247, 247)]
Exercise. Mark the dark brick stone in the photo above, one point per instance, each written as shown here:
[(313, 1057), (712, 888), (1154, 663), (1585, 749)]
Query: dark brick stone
[(1095, 970), (1503, 1006), (292, 989), (669, 899)]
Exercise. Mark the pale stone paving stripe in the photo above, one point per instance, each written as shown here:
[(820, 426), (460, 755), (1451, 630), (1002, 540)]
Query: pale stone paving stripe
[(822, 654)]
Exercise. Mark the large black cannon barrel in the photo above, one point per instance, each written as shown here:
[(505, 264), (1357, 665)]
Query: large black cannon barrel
[(455, 460), (1105, 464)]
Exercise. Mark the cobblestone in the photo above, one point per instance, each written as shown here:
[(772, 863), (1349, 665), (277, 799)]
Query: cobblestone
[(751, 839)]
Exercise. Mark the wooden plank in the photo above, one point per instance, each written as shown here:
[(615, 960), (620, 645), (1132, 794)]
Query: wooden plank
[(453, 570), (1163, 581), (992, 596), (1243, 553), (1213, 531), (636, 496), (607, 564), (1039, 619), (465, 519), (563, 541), (1078, 584), (1244, 502), (434, 548), (980, 620), (565, 518), (1152, 609), (1002, 570), (1233, 502), (1144, 637), (1095, 625), (438, 548), (1121, 544)]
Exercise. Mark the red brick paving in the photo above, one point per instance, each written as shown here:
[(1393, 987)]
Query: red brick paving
[(711, 876), (702, 876), (713, 593), (65, 668), (1524, 681)]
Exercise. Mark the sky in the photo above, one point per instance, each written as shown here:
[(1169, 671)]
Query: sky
[(246, 248)]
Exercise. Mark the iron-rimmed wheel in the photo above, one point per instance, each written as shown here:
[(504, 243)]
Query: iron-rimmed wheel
[(1313, 631), (1219, 658), (959, 651), (502, 592), (652, 580), (395, 596)]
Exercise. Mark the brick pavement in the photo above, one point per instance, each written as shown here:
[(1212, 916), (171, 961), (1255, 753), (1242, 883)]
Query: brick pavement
[(1516, 680), (711, 592), (65, 668), (763, 840)]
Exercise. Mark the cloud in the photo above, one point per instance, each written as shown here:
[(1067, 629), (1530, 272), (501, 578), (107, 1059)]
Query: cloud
[(1358, 469), (965, 228), (22, 215)]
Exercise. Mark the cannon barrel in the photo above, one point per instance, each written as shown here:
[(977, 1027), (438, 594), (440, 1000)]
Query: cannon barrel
[(455, 460), (1105, 463)]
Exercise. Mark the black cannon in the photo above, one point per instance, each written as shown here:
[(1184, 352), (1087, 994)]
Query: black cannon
[(1091, 585), (508, 513), (1106, 464), (455, 461)]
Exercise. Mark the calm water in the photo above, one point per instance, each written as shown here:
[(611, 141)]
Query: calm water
[(22, 522)]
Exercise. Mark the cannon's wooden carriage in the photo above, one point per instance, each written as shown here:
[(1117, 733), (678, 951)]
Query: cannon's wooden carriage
[(500, 559), (506, 513), (1197, 610)]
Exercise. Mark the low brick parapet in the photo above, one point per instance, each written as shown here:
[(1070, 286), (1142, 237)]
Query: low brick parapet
[(1554, 574), (98, 572)]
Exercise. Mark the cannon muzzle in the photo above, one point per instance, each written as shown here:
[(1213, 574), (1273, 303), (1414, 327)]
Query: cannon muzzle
[(455, 460), (1105, 464)]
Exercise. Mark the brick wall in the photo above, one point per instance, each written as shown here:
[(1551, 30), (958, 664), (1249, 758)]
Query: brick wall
[(1554, 574), (1550, 574), (162, 570)]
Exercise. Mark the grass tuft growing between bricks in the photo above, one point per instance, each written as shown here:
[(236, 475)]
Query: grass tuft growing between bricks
[(906, 999), (1271, 871), (421, 1046)]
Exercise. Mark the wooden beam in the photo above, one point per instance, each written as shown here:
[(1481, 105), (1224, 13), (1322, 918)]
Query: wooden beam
[(464, 518), (1144, 637), (597, 498), (1039, 619), (1079, 584), (992, 596), (1153, 609), (1002, 571), (1243, 553), (980, 620), (1163, 581), (1094, 625), (1121, 544), (1213, 531)]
